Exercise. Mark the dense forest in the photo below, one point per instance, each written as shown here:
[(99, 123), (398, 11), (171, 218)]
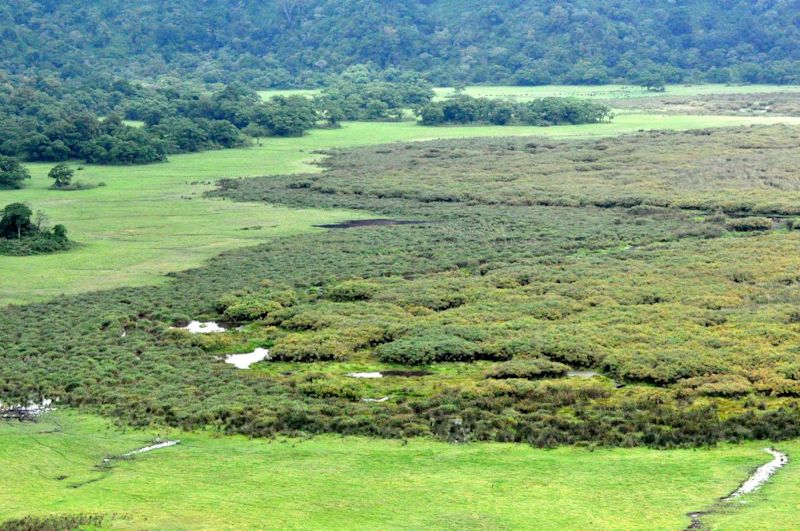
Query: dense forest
[(288, 43)]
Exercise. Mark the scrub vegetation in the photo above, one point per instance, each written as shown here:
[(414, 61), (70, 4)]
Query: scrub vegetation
[(613, 254), (150, 220)]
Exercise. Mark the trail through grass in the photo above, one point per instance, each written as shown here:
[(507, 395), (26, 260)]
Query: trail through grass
[(215, 482)]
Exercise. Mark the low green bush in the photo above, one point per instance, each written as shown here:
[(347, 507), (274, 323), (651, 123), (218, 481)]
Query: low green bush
[(310, 347), (529, 369), (750, 224), (351, 290), (425, 349)]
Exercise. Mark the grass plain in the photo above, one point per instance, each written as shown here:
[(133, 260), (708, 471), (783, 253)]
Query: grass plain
[(354, 483)]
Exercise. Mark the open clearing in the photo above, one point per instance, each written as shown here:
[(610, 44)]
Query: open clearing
[(331, 482), (611, 91), (151, 220)]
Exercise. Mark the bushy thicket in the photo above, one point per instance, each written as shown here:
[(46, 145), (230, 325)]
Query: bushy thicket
[(358, 95), (20, 235), (544, 111), (528, 368)]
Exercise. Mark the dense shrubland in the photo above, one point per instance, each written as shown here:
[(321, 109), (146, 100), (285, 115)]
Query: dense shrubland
[(52, 123), (280, 43), (535, 257), (462, 109), (23, 234), (42, 125)]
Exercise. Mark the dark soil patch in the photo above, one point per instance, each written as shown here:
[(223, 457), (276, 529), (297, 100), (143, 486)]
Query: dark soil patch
[(405, 374), (356, 223)]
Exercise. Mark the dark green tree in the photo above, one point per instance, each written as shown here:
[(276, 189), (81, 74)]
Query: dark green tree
[(61, 174), (16, 221), (12, 173)]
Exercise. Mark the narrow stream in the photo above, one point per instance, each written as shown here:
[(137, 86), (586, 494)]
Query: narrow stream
[(753, 483)]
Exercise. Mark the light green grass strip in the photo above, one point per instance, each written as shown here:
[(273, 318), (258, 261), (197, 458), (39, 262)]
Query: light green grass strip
[(213, 482)]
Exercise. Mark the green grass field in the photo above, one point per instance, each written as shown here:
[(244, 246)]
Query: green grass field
[(150, 220), (611, 91), (212, 482)]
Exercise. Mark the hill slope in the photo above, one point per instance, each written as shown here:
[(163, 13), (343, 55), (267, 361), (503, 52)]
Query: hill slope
[(297, 42)]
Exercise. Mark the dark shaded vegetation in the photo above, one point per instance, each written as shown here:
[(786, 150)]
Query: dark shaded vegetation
[(60, 122), (66, 522), (282, 43), (22, 235), (608, 254), (12, 174), (462, 109), (360, 94)]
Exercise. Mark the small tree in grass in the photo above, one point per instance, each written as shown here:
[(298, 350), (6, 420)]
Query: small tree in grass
[(16, 221), (12, 173), (62, 174)]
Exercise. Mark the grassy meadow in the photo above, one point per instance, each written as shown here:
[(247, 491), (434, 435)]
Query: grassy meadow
[(150, 220), (606, 92), (355, 483)]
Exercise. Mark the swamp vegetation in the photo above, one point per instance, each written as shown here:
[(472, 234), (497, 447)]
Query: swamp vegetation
[(532, 257)]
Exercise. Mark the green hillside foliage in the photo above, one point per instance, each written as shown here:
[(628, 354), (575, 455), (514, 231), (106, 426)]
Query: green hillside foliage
[(285, 43)]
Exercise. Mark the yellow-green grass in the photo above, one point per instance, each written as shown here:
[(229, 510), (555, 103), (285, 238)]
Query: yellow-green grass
[(610, 91), (150, 220), (218, 482), (271, 93)]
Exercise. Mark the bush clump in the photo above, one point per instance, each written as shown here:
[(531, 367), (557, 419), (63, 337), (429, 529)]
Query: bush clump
[(351, 290), (251, 308), (310, 347), (421, 350), (751, 224), (528, 369)]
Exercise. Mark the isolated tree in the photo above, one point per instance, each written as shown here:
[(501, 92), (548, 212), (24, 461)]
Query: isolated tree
[(16, 221), (62, 174), (12, 173), (255, 131)]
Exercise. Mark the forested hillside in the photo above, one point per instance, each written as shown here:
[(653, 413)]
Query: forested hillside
[(284, 43)]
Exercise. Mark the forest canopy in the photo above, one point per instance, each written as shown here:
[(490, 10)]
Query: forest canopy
[(299, 43)]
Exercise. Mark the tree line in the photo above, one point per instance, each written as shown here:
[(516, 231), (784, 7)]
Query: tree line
[(138, 124), (463, 109)]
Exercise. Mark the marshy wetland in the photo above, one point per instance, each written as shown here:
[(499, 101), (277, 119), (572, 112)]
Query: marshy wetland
[(580, 311)]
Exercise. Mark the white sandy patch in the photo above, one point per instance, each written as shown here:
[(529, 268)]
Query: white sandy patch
[(243, 361), (33, 409), (157, 446), (761, 475), (582, 374), (197, 327), (365, 375)]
